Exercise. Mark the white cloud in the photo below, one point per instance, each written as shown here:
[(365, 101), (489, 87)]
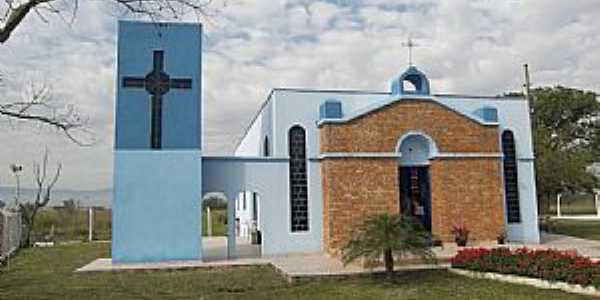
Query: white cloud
[(466, 47)]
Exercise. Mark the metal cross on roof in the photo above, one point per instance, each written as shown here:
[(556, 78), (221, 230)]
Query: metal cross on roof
[(157, 83), (410, 45)]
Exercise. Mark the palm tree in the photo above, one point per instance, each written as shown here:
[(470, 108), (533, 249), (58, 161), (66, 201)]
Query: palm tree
[(389, 235)]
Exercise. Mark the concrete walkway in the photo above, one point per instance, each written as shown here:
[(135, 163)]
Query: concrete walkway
[(320, 264), (589, 248)]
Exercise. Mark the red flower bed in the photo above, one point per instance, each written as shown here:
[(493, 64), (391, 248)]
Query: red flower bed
[(550, 264)]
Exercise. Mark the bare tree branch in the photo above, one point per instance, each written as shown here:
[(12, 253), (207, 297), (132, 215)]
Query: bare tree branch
[(43, 194), (38, 107), (15, 14)]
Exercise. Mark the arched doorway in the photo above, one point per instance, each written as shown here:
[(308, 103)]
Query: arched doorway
[(214, 224), (416, 150)]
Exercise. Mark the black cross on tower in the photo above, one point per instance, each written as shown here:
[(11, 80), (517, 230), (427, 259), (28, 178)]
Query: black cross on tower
[(157, 83)]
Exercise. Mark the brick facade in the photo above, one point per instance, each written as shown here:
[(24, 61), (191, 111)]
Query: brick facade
[(463, 189)]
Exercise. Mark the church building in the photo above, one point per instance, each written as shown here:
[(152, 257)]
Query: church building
[(312, 164)]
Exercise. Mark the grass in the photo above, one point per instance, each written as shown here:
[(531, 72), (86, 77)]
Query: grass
[(572, 205), (71, 225), (47, 273), (587, 229), (219, 222)]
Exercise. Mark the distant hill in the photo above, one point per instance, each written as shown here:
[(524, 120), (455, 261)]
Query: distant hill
[(84, 198)]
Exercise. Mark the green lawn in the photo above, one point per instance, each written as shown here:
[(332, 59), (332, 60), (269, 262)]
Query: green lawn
[(219, 222), (579, 228), (46, 273), (71, 225), (571, 205)]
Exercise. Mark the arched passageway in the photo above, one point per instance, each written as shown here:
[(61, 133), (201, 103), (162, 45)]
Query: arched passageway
[(414, 176)]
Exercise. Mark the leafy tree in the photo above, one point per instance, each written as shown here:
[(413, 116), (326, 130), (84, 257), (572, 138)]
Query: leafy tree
[(214, 202), (567, 140), (388, 236)]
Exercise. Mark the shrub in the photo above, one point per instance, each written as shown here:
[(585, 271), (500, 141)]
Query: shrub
[(388, 236), (552, 265), (461, 234)]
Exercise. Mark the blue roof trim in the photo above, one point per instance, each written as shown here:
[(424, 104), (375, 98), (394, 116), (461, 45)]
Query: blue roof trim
[(396, 98)]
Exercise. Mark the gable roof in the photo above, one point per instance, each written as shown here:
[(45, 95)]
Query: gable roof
[(397, 98)]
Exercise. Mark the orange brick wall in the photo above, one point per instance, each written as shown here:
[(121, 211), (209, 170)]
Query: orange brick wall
[(469, 191), (355, 188), (465, 190)]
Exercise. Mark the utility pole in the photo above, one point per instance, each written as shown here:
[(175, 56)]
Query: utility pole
[(16, 170), (90, 223), (528, 96), (532, 122)]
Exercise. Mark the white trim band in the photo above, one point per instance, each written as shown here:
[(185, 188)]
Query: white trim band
[(469, 155), (360, 155), (399, 155)]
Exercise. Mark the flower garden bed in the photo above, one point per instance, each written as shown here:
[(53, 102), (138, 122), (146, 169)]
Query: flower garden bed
[(551, 269)]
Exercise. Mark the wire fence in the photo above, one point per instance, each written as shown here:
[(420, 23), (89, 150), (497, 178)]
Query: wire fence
[(10, 232), (71, 224)]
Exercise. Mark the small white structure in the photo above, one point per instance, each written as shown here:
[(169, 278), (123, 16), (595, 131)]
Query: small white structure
[(247, 216), (561, 215)]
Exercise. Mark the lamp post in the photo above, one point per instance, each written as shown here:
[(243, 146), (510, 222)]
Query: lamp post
[(16, 170)]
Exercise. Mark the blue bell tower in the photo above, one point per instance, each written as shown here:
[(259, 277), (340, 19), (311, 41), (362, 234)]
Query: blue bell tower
[(158, 143)]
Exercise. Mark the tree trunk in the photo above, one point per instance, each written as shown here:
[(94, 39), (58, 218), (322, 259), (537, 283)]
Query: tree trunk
[(30, 227), (388, 262)]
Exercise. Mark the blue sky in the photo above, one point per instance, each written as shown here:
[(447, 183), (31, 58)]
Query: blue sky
[(473, 47)]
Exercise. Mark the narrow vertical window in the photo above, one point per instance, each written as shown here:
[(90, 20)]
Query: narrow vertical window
[(244, 201), (511, 182), (266, 150), (254, 208), (298, 179)]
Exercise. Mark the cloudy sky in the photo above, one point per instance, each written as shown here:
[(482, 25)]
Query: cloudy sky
[(475, 47)]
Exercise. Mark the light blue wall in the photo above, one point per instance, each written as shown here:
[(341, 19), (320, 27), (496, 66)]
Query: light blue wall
[(157, 193), (156, 205), (182, 108), (268, 177)]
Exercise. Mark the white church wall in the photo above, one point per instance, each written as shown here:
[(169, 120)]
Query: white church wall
[(250, 144), (526, 231), (269, 178), (244, 213), (302, 108), (267, 117)]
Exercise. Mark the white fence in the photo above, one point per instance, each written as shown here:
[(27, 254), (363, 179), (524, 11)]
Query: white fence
[(10, 232), (561, 215)]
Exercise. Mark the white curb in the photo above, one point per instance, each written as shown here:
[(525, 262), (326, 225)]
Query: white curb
[(535, 282)]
